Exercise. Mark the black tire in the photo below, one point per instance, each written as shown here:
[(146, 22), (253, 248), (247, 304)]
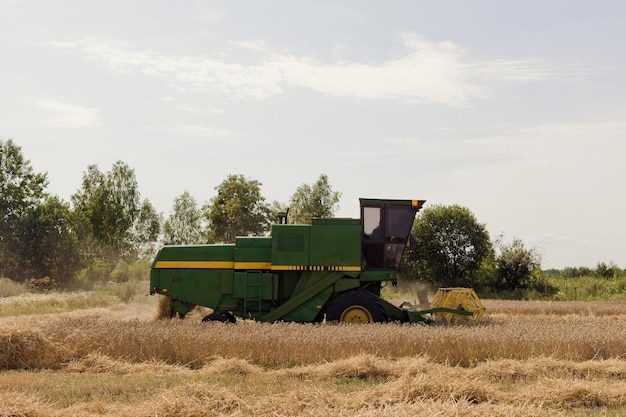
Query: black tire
[(225, 317), (356, 306)]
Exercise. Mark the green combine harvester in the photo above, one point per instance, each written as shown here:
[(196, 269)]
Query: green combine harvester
[(332, 269)]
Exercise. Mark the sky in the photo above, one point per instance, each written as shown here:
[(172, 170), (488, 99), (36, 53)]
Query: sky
[(515, 110)]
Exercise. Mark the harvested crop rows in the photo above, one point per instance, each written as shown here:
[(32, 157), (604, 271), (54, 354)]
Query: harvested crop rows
[(523, 359)]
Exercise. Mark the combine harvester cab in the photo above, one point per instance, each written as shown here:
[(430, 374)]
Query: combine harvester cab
[(332, 269)]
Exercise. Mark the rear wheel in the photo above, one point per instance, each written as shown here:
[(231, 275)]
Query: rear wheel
[(224, 317), (356, 307)]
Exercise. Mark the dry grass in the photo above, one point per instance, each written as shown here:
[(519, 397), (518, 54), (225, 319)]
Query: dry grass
[(10, 288), (560, 308), (164, 310), (565, 360)]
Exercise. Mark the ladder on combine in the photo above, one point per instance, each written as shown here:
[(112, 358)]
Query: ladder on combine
[(252, 294)]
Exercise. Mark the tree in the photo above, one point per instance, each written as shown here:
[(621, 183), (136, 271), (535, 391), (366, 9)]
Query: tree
[(277, 210), (146, 231), (515, 265), (450, 246), (53, 248), (317, 200), (610, 270), (184, 225), (109, 203), (238, 209), (575, 272), (21, 191)]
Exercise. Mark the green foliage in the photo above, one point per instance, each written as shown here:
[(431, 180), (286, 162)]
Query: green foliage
[(54, 248), (591, 287), (278, 211), (606, 282), (574, 272), (309, 201), (21, 192), (109, 203), (450, 246), (146, 230), (516, 266), (126, 291), (184, 226), (111, 224), (97, 271), (238, 209), (487, 271), (20, 187), (610, 270), (560, 285), (125, 272)]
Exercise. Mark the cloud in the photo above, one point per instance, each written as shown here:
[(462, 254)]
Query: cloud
[(68, 115), (556, 175), (570, 143), (526, 70), (547, 238), (192, 130), (184, 73), (424, 71)]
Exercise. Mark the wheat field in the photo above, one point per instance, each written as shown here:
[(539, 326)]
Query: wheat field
[(523, 359)]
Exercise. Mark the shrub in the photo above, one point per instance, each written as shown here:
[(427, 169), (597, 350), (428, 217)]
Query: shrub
[(45, 284), (10, 288), (516, 265), (97, 272), (126, 291), (124, 272), (609, 270)]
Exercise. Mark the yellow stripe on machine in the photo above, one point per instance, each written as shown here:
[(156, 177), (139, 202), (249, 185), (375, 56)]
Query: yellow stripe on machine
[(253, 265), (194, 264), (315, 268), (250, 265)]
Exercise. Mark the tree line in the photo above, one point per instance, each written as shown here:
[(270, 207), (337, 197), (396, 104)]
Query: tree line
[(106, 227)]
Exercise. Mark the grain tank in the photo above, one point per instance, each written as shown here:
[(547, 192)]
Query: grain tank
[(332, 269)]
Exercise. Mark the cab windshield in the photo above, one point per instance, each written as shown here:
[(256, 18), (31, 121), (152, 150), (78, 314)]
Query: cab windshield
[(385, 232)]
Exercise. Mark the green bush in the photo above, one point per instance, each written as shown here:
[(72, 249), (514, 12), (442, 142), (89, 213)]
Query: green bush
[(97, 272), (125, 272), (126, 291), (610, 270), (592, 287)]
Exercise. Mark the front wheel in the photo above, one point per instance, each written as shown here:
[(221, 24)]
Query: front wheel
[(356, 307)]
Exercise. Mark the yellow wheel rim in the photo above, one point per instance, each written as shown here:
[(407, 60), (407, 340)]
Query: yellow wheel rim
[(356, 314)]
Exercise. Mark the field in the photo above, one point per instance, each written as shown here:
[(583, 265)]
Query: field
[(528, 358)]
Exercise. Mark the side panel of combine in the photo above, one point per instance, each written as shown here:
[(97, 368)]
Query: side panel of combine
[(253, 253), (200, 275), (336, 244), (290, 247), (311, 259)]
